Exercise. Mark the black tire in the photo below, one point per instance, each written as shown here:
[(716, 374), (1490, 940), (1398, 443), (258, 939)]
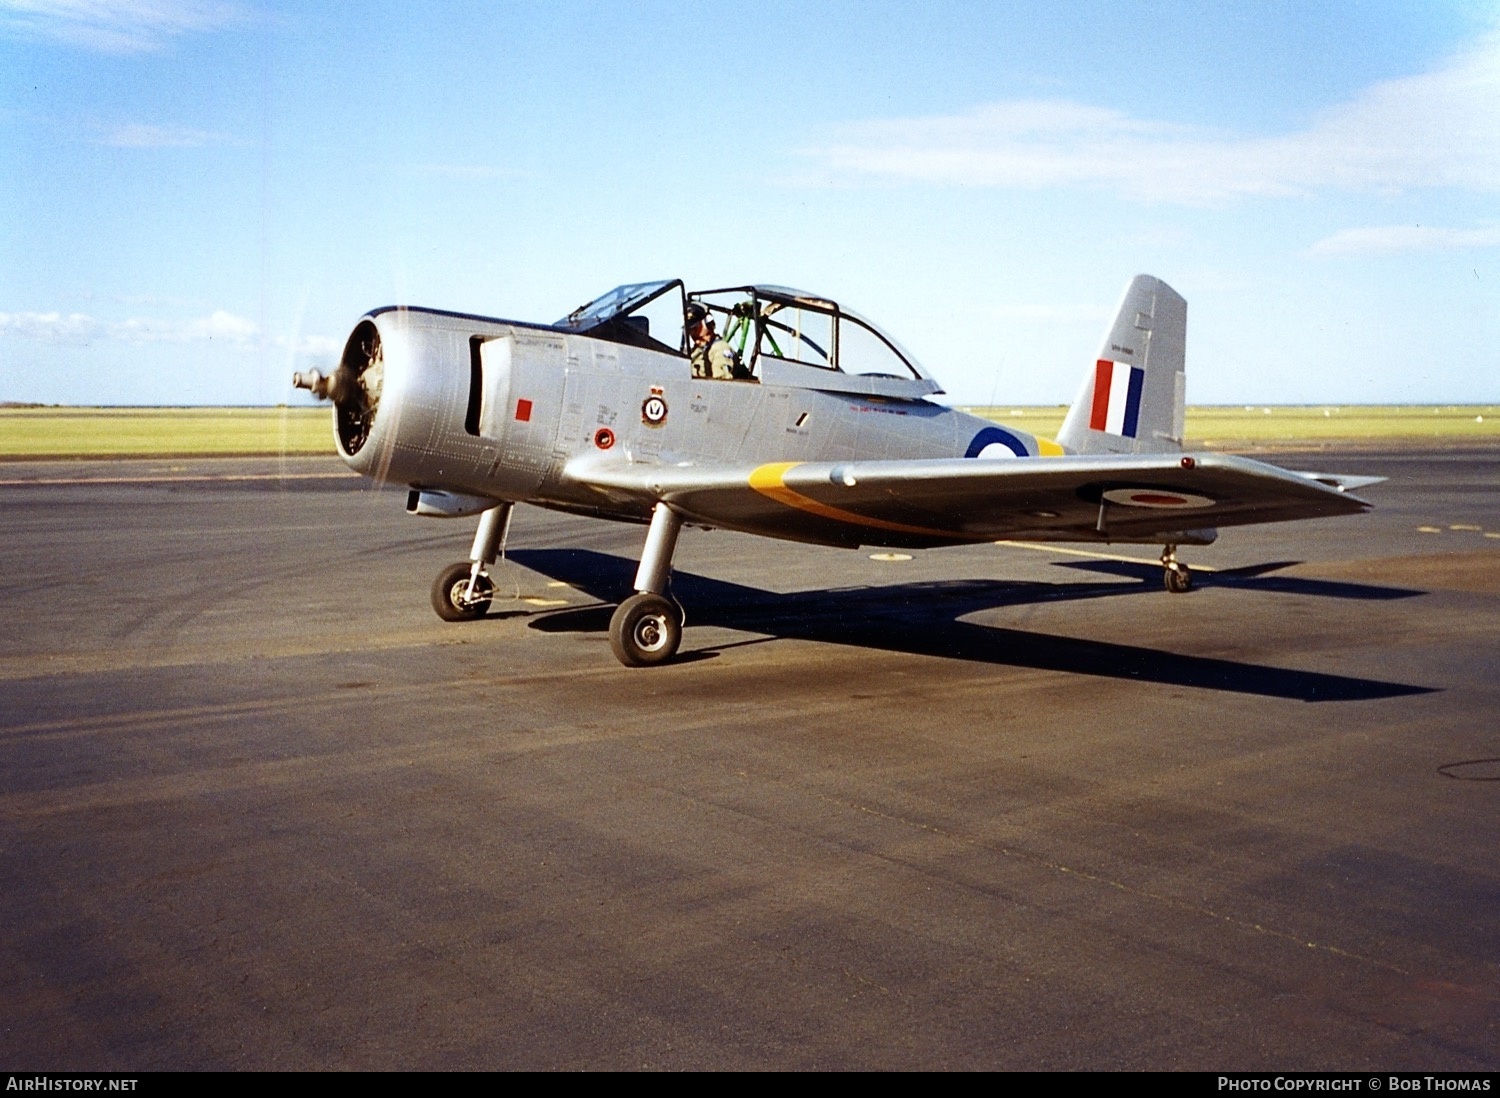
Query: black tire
[(449, 589), (645, 630), (1177, 578)]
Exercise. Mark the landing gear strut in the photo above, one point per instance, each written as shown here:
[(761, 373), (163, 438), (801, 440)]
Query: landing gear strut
[(647, 627), (1175, 574), (462, 591)]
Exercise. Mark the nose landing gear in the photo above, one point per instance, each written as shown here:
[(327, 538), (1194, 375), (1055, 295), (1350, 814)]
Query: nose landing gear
[(459, 595), (462, 591)]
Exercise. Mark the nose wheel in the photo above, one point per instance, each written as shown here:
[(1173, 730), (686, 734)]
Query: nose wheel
[(1175, 575), (463, 591), (460, 595)]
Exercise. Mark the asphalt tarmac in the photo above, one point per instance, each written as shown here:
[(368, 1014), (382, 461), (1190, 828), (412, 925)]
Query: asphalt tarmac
[(991, 807)]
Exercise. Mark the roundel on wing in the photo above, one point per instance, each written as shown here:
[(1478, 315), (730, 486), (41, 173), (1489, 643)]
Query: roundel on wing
[(996, 442), (1164, 499)]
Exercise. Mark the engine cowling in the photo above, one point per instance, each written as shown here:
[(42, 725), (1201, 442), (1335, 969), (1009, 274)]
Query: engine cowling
[(424, 398)]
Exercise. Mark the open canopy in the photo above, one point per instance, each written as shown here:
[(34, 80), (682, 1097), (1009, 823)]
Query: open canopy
[(783, 336)]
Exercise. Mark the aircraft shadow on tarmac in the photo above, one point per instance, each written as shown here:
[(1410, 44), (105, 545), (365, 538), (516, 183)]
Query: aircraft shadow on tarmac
[(924, 619), (1251, 577)]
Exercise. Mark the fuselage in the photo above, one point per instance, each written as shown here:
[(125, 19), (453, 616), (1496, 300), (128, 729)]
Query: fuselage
[(501, 410)]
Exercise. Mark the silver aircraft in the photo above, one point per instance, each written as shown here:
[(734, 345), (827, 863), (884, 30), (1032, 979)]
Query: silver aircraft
[(827, 434)]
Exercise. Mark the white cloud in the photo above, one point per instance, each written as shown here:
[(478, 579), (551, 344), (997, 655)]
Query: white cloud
[(138, 136), (314, 346), (1440, 128), (75, 328), (220, 328), (116, 26), (1394, 239), (222, 325), (50, 327)]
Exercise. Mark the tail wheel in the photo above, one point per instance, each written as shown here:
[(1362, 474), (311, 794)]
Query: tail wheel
[(1177, 578), (645, 630), (450, 593)]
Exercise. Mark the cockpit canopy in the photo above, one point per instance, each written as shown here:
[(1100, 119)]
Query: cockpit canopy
[(641, 314), (783, 336)]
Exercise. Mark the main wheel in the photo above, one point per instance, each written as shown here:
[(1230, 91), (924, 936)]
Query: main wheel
[(645, 630), (1177, 578), (450, 593)]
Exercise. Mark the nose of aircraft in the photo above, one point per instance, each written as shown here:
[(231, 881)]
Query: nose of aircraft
[(354, 387)]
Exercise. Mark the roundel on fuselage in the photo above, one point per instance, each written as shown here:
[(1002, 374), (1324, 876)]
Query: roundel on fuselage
[(996, 442)]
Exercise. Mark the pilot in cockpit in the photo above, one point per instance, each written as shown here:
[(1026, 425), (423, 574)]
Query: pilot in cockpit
[(711, 355)]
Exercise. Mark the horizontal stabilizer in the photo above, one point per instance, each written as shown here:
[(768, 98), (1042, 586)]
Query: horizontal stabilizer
[(1344, 482)]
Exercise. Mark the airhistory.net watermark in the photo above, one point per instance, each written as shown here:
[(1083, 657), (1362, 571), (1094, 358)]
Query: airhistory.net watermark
[(66, 1082)]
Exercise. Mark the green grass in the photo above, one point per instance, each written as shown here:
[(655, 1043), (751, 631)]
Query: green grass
[(1220, 426), (163, 432), (1042, 421), (184, 432)]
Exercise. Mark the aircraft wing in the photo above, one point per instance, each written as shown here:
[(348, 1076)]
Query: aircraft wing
[(1146, 498)]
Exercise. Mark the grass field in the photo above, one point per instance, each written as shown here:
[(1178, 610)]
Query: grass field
[(1228, 427), (34, 433), (163, 432)]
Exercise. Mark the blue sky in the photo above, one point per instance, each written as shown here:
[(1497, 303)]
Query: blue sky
[(198, 197)]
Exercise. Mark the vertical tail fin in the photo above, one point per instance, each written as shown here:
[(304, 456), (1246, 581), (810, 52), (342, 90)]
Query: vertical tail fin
[(1132, 398)]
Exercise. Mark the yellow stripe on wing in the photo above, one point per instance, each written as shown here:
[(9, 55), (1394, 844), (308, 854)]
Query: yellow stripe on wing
[(769, 480)]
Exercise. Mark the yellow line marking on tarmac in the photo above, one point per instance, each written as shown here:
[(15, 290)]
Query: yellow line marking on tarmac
[(532, 600), (1429, 529), (1043, 547), (1491, 534), (1463, 526)]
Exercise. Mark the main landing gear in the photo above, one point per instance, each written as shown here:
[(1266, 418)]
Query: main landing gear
[(1175, 574), (462, 591), (647, 627)]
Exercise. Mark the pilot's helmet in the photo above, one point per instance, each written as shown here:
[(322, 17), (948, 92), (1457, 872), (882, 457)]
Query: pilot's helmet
[(696, 313)]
